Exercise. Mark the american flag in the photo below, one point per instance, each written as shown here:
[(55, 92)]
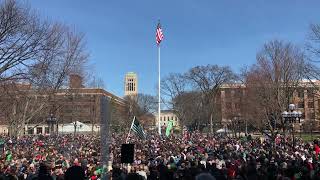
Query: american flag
[(159, 34)]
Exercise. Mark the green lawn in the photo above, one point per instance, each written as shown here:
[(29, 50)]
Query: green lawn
[(308, 137), (305, 136)]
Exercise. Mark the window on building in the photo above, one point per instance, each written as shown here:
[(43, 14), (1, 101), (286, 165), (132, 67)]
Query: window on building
[(227, 93), (238, 92), (46, 130), (30, 130), (160, 118), (172, 118), (237, 105), (39, 130), (312, 115), (176, 119), (311, 104), (300, 93), (301, 104), (228, 105), (310, 93)]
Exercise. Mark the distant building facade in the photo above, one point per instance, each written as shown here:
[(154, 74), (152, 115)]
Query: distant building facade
[(231, 99), (131, 84), (166, 116), (72, 104), (305, 98)]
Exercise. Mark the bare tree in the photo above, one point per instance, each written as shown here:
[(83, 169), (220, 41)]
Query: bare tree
[(195, 94), (313, 45), (208, 80), (313, 49), (141, 105), (173, 89), (272, 81), (188, 107), (22, 36), (147, 103), (94, 81), (119, 116), (37, 53)]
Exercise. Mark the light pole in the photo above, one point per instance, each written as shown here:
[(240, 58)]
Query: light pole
[(51, 121), (292, 116), (246, 127), (300, 124)]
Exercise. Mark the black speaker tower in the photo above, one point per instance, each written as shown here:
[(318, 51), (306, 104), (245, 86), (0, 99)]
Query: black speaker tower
[(105, 118)]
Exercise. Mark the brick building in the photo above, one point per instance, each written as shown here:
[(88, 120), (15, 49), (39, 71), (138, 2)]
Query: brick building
[(75, 103), (305, 98)]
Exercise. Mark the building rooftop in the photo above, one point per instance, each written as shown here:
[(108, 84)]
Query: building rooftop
[(165, 111), (131, 73)]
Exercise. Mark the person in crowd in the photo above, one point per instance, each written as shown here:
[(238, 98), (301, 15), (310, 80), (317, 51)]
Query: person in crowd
[(191, 156)]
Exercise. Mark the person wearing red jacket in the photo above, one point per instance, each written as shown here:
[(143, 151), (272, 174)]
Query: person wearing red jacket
[(317, 149)]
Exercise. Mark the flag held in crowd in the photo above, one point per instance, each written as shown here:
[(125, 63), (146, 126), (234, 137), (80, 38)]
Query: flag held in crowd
[(159, 34), (137, 129)]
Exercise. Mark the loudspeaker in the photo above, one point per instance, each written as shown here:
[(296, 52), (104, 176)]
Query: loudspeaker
[(127, 153)]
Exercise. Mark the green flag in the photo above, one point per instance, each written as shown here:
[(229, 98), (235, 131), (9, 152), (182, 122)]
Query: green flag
[(99, 171), (169, 127)]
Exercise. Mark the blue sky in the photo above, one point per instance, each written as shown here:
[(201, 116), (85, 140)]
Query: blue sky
[(120, 34)]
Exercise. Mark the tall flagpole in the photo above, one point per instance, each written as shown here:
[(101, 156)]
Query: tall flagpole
[(159, 100), (159, 37)]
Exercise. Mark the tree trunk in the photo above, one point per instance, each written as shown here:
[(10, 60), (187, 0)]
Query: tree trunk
[(92, 121), (75, 127), (211, 124), (198, 126), (23, 120)]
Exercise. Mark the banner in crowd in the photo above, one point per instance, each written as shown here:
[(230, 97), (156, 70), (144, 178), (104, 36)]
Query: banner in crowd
[(169, 128)]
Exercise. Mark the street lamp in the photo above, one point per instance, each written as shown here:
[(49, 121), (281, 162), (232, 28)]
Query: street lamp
[(291, 117)]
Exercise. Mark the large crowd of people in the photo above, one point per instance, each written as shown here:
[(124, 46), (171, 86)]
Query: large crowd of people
[(191, 156)]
